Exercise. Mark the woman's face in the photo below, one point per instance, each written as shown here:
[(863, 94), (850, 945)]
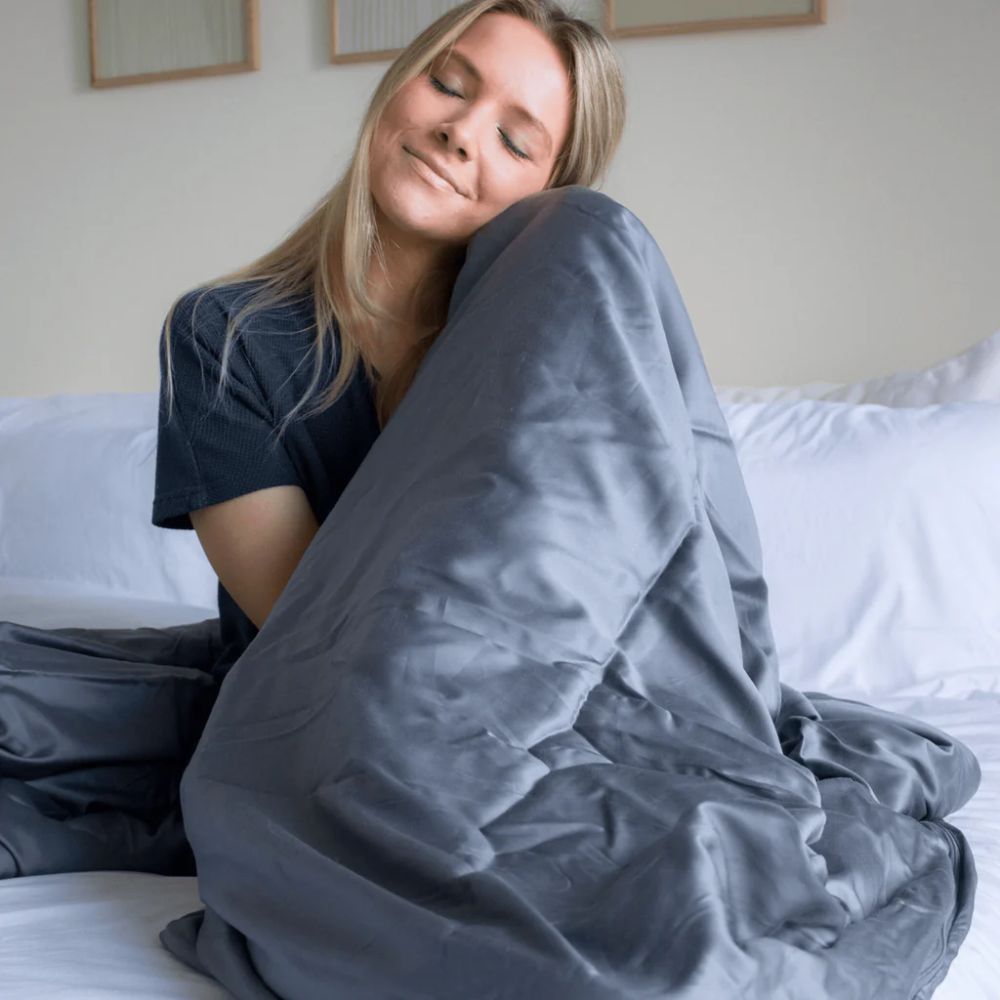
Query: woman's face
[(469, 116)]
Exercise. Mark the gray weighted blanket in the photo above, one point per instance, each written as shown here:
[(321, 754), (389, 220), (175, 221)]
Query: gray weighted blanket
[(515, 728)]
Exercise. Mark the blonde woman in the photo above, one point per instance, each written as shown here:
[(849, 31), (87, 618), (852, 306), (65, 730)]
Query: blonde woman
[(514, 728), (276, 381), (310, 349)]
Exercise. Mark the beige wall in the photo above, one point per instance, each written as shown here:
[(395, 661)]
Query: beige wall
[(827, 196)]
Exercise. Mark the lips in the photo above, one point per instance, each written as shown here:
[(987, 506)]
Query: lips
[(436, 168)]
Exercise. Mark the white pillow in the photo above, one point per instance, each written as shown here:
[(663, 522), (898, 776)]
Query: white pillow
[(973, 375), (76, 494), (880, 530)]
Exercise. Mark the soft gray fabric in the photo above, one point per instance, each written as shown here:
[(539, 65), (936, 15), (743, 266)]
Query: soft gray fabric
[(96, 727), (515, 728)]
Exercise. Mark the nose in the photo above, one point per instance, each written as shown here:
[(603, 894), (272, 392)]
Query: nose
[(459, 134)]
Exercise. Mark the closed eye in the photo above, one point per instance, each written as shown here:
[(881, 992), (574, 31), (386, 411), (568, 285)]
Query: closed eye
[(517, 152), (438, 85), (441, 88)]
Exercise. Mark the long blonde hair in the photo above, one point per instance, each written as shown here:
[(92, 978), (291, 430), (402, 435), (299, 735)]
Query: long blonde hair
[(328, 255)]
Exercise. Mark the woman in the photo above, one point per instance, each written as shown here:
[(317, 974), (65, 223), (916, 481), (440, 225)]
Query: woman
[(496, 100), (504, 99), (514, 728)]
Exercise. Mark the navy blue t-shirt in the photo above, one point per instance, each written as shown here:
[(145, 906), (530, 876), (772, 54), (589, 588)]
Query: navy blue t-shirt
[(208, 452)]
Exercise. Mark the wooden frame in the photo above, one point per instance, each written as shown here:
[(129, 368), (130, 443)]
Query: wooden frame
[(373, 55), (336, 56), (432, 9), (250, 62), (613, 10), (603, 13)]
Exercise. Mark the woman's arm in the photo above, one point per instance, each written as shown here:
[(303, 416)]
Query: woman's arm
[(254, 542)]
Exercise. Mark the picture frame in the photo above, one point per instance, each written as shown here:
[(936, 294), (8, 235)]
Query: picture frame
[(148, 41), (373, 30), (638, 18)]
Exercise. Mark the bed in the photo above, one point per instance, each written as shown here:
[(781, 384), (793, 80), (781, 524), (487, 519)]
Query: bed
[(887, 595)]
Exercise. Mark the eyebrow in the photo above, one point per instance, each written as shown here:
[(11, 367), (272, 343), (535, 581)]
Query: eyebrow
[(521, 112)]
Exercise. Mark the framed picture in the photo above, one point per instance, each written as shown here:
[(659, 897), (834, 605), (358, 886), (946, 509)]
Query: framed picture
[(363, 30), (146, 41), (632, 18)]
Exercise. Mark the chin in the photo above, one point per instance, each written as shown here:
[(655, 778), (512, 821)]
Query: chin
[(414, 213)]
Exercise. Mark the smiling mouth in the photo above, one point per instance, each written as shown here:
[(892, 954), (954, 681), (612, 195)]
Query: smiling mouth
[(428, 172)]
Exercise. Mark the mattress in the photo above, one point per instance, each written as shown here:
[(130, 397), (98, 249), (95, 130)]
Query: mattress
[(94, 935)]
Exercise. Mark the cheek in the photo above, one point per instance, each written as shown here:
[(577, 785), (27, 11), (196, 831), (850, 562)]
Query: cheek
[(513, 184), (388, 128), (407, 109)]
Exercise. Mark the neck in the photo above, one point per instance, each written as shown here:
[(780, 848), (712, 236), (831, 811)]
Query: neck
[(408, 260)]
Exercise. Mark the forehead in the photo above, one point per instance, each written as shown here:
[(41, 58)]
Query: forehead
[(508, 56)]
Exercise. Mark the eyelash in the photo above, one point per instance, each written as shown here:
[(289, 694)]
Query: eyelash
[(441, 88)]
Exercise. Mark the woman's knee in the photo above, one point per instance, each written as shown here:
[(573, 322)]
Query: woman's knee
[(574, 207), (573, 226)]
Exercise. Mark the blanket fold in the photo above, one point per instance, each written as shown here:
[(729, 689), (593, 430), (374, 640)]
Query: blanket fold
[(96, 728)]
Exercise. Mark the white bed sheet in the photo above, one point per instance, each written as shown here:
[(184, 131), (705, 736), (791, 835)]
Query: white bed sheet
[(94, 935), (51, 604)]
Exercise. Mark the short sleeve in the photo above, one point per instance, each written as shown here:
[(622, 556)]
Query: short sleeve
[(211, 449)]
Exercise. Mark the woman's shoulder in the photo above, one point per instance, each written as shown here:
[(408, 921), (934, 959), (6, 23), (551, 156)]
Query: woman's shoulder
[(199, 314), (204, 312), (213, 301)]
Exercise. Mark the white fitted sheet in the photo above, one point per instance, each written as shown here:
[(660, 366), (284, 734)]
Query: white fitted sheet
[(94, 935), (51, 604)]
